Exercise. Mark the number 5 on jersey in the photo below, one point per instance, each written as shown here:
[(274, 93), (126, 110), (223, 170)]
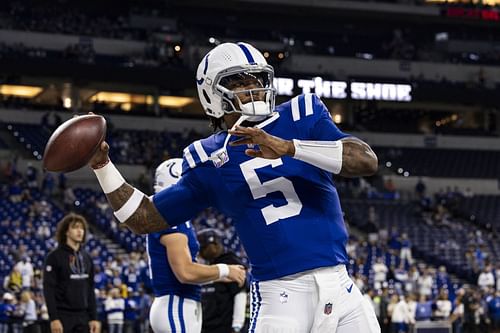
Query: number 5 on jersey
[(259, 190)]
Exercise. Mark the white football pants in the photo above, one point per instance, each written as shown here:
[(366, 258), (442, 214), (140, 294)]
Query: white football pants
[(324, 300), (172, 313)]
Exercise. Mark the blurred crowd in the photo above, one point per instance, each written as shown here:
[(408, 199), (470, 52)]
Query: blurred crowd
[(368, 41)]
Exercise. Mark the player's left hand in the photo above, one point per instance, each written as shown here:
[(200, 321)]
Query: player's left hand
[(270, 146)]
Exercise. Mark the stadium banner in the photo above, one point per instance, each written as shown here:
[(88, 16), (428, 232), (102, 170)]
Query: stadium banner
[(395, 92)]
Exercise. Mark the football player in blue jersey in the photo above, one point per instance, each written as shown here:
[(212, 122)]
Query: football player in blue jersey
[(174, 273), (271, 173)]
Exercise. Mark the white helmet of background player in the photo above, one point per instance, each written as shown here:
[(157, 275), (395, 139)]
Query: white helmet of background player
[(167, 174), (230, 62)]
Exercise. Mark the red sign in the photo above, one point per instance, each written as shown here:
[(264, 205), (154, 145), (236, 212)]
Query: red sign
[(472, 13)]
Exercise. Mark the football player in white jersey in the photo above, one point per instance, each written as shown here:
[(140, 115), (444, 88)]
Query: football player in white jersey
[(174, 273), (270, 173)]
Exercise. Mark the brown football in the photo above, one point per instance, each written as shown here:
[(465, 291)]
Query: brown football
[(73, 143)]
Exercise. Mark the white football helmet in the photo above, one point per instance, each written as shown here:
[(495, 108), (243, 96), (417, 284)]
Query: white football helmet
[(167, 174), (231, 62)]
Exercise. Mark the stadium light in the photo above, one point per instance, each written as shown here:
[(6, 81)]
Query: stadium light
[(175, 101), (67, 103), (20, 91), (128, 99)]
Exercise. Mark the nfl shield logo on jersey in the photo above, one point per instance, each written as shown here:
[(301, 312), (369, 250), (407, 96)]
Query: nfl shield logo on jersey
[(219, 157), (328, 308), (283, 297)]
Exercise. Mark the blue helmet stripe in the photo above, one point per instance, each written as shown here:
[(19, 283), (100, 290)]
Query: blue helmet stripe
[(247, 53), (206, 65)]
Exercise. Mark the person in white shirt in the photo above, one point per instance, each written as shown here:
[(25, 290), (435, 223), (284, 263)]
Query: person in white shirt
[(402, 316), (443, 305), (486, 279), (380, 270), (412, 305), (27, 272), (425, 282), (28, 307), (115, 308)]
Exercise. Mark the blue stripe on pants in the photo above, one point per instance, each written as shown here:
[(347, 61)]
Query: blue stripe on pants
[(257, 307), (170, 313), (181, 314)]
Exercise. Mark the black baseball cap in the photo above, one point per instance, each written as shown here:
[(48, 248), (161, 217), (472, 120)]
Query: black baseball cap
[(209, 236)]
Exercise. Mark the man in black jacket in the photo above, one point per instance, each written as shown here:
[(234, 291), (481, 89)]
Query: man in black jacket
[(223, 303), (68, 281)]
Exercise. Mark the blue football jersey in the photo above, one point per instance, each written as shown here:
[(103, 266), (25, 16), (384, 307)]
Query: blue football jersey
[(287, 212), (162, 277)]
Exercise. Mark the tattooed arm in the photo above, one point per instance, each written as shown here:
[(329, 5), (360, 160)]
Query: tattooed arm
[(358, 159), (351, 157), (145, 218)]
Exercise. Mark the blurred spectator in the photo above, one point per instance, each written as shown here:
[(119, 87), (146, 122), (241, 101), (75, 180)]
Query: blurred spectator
[(6, 311), (145, 302), (380, 273), (48, 184), (494, 310), (15, 280), (370, 296), (442, 278), (486, 280), (223, 303), (131, 313), (371, 226), (443, 305), (425, 283), (472, 311), (115, 311), (405, 253), (31, 176), (30, 314), (402, 316), (420, 188), (401, 276), (497, 274), (27, 272), (69, 199), (424, 309)]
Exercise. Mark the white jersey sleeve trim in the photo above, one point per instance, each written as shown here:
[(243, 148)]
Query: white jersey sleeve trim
[(200, 151), (309, 104), (295, 108), (189, 158)]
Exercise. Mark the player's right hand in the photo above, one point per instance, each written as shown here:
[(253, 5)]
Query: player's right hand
[(56, 326), (238, 274), (101, 156)]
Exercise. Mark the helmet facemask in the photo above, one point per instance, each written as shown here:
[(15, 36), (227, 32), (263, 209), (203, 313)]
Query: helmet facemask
[(258, 100)]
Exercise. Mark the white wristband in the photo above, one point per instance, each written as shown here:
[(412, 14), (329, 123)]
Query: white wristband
[(223, 270), (129, 208), (326, 155), (109, 177)]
